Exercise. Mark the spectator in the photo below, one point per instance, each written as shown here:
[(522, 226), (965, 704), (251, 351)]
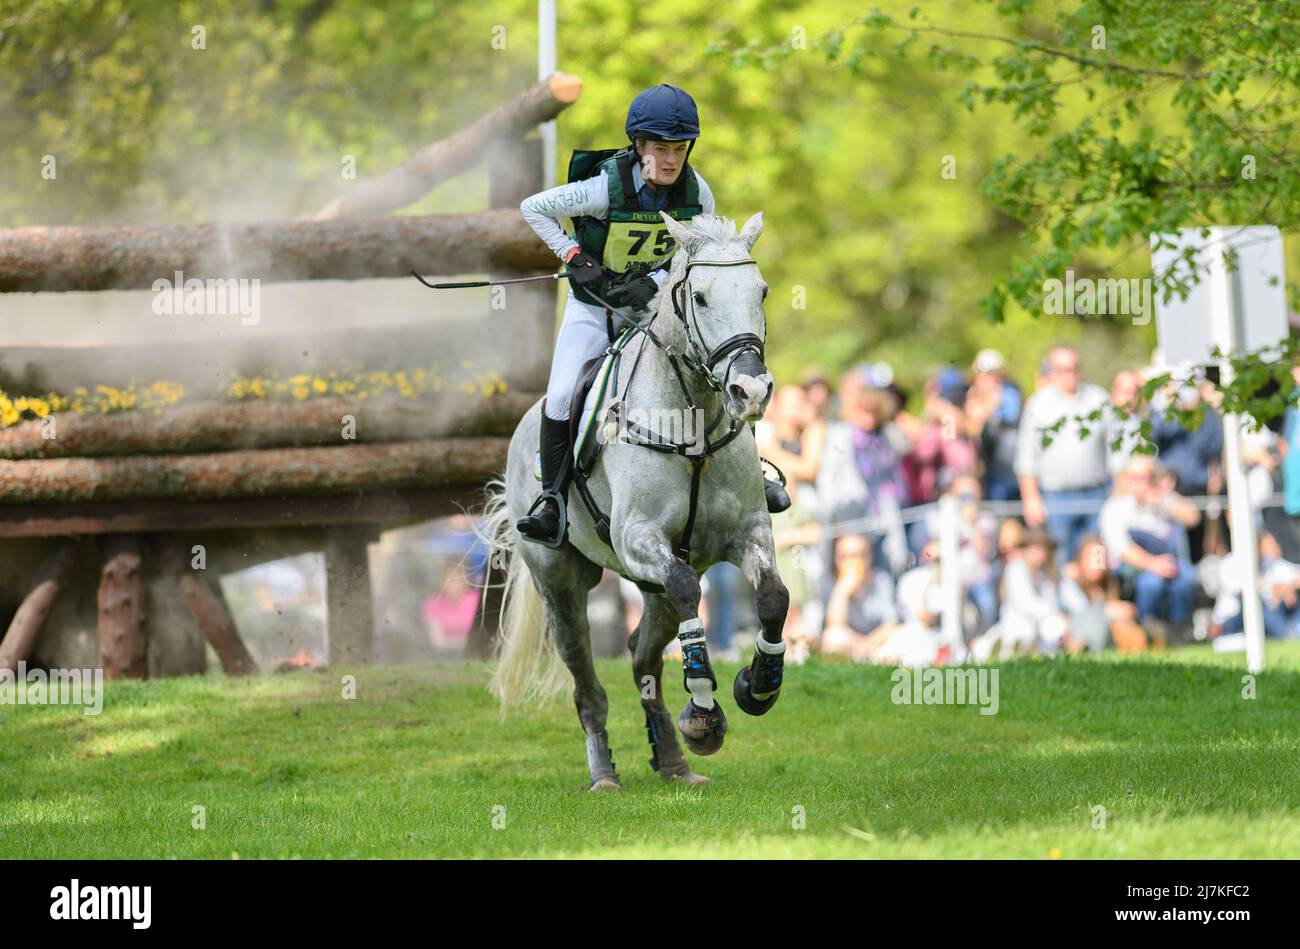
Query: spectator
[(1290, 449), (1072, 471), (792, 436), (1093, 608), (1279, 586), (916, 640), (818, 390), (993, 407), (1193, 455), (860, 474), (1124, 421), (1187, 453), (449, 615), (977, 539), (720, 588), (1031, 619), (1142, 526), (797, 540), (861, 603), (1261, 453), (920, 595), (940, 448)]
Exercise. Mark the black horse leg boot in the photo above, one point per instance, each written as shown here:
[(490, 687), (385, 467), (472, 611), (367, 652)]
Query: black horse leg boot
[(545, 522), (777, 498)]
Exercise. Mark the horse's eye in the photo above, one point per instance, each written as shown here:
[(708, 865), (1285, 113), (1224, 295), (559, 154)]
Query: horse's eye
[(699, 299), (764, 297)]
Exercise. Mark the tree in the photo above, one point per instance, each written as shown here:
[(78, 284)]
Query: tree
[(1135, 118)]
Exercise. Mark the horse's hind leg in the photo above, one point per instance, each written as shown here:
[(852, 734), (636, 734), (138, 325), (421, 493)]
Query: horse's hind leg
[(566, 604), (657, 628)]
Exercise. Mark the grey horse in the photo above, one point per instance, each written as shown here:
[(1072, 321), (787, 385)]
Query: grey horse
[(710, 315)]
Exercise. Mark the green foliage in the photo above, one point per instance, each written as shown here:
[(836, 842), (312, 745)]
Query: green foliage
[(1133, 118), (921, 168)]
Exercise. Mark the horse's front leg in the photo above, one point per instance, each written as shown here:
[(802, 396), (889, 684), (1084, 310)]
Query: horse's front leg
[(656, 630), (758, 685), (646, 555)]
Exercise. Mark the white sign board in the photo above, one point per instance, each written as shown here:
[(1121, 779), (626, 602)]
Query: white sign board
[(1187, 330)]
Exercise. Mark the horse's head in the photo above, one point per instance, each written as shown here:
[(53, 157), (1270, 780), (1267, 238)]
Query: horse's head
[(717, 292)]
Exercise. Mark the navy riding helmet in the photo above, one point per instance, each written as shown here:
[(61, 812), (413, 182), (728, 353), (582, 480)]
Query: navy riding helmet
[(664, 112)]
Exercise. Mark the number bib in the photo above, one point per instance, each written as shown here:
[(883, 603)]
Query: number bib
[(636, 237)]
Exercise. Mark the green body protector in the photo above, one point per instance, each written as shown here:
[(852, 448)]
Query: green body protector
[(630, 235)]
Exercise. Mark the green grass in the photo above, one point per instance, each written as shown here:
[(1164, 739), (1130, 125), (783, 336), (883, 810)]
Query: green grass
[(416, 764)]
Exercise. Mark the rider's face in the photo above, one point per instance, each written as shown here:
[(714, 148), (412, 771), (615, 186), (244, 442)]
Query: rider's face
[(662, 162)]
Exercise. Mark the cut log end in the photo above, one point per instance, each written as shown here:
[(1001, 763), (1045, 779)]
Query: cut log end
[(565, 87)]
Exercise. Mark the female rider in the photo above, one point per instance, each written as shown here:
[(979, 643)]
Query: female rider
[(614, 198)]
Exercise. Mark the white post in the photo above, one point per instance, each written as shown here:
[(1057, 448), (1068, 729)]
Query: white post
[(1245, 545), (546, 66), (950, 571)]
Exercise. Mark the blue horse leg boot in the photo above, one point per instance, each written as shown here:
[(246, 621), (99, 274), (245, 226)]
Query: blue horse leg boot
[(697, 672), (758, 685), (702, 722)]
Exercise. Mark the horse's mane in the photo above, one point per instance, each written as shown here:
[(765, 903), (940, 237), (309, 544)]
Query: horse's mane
[(707, 229)]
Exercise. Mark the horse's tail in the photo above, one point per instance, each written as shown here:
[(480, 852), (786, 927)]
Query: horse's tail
[(528, 669)]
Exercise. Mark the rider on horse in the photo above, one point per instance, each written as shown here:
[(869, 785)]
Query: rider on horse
[(621, 255)]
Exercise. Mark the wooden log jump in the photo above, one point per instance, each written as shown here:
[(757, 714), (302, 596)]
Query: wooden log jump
[(123, 257), (253, 473), (36, 606), (121, 609), (202, 595), (207, 427), (436, 163)]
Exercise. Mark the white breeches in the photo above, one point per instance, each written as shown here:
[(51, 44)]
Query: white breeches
[(582, 335)]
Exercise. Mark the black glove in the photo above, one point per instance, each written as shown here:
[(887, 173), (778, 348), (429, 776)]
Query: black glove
[(585, 270), (631, 290)]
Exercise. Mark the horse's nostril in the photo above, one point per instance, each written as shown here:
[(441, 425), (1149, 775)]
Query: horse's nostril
[(737, 392)]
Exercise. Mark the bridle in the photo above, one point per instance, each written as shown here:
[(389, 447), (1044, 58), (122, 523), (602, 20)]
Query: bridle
[(697, 358)]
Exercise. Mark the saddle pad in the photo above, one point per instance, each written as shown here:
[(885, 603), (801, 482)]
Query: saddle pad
[(590, 408)]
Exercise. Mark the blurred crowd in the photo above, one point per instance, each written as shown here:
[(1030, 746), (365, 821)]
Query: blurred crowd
[(1097, 542), (1071, 530)]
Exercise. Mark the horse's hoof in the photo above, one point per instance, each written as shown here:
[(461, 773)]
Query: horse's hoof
[(606, 784), (745, 699), (702, 729)]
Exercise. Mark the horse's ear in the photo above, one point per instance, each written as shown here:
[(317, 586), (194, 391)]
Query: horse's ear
[(752, 229), (684, 234)]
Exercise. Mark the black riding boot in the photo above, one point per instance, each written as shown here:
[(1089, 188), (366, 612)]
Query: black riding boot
[(545, 522)]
